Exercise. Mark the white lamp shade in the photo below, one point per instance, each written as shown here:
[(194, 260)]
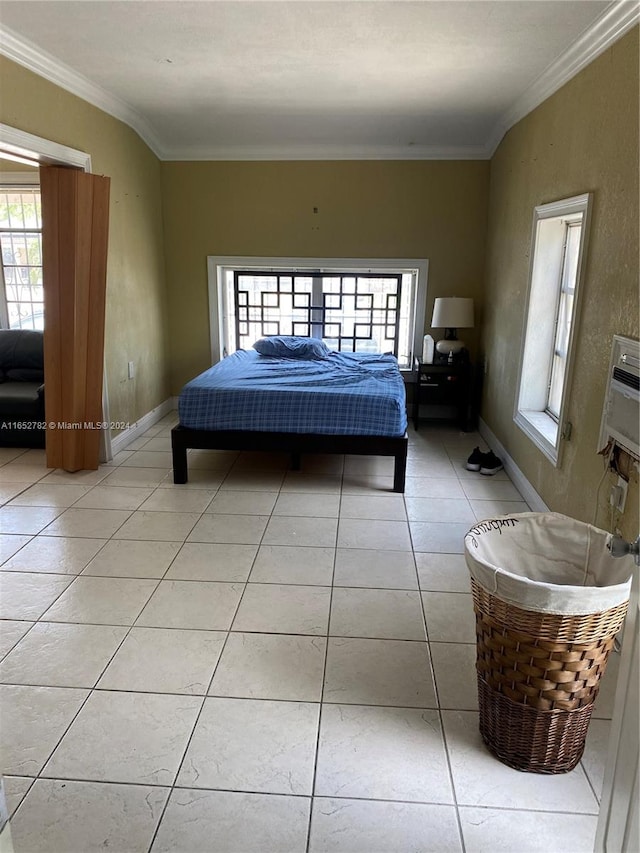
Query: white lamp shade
[(452, 312)]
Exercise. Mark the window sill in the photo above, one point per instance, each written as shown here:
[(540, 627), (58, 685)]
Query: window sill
[(543, 431)]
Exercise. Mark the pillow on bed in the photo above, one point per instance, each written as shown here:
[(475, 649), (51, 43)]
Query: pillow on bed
[(292, 346)]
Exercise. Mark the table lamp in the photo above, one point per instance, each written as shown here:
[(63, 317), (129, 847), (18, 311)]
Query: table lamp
[(451, 313)]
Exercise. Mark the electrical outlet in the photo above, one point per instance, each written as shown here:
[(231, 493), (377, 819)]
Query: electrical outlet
[(131, 370), (618, 496)]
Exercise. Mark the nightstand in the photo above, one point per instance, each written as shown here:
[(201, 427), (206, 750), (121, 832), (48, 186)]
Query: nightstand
[(445, 384)]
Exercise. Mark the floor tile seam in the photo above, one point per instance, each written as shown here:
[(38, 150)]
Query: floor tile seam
[(445, 591), (237, 608), (316, 754), (517, 810), (391, 800), (452, 783), (93, 689), (159, 488), (235, 630), (133, 624), (512, 809), (353, 637), (22, 452), (100, 549), (204, 699), (64, 733), (463, 805), (66, 536), (30, 535), (13, 811), (592, 787), (138, 467), (209, 695), (36, 572), (49, 505), (289, 583), (19, 640), (367, 518), (116, 625), (140, 627), (216, 695), (27, 486), (437, 700), (169, 788), (50, 605), (171, 562)]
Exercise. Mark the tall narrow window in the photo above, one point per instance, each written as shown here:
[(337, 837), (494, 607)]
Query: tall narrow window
[(557, 255), (22, 296), (564, 316)]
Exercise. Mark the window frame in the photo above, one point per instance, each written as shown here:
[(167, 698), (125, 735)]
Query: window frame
[(218, 265), (566, 290), (546, 281), (15, 181)]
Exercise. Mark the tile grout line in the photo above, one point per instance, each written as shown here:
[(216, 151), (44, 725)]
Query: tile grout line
[(229, 631), (205, 696), (439, 710), (324, 668), (304, 796), (92, 689), (193, 728)]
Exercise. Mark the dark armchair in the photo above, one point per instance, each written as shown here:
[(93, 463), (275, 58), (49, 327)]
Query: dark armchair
[(21, 388)]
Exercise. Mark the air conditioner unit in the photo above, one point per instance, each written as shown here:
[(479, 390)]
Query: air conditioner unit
[(621, 413)]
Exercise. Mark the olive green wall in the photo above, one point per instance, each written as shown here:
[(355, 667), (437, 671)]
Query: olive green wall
[(136, 314), (582, 139), (13, 166), (366, 209)]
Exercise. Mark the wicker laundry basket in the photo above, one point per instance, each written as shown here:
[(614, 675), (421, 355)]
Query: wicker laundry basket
[(539, 671)]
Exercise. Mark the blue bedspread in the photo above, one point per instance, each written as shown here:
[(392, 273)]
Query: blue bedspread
[(343, 394)]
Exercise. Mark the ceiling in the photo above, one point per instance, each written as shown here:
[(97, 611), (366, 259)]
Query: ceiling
[(313, 79)]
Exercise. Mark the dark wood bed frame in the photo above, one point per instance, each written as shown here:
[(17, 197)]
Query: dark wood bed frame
[(296, 444)]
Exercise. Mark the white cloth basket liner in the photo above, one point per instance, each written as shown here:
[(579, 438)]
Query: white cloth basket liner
[(547, 563)]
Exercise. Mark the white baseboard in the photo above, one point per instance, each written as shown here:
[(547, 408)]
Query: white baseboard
[(519, 480), (141, 426)]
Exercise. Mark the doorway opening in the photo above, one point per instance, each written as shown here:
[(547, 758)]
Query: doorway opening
[(30, 151)]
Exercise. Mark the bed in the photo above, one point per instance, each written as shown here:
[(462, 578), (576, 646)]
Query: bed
[(298, 399)]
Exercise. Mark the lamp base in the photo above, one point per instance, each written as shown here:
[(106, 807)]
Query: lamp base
[(445, 346)]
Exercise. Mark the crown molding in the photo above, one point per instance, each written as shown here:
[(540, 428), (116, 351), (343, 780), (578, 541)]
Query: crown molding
[(329, 152), (614, 22), (32, 57)]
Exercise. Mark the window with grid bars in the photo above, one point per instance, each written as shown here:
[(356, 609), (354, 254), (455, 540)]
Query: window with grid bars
[(22, 294), (350, 308)]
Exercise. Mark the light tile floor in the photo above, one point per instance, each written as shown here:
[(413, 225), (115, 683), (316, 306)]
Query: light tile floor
[(260, 660)]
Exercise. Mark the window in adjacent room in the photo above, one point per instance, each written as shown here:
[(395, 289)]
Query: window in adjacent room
[(350, 306), (21, 294), (557, 262)]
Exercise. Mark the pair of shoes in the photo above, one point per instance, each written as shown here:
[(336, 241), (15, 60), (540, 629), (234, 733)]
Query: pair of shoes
[(485, 463), (475, 460)]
